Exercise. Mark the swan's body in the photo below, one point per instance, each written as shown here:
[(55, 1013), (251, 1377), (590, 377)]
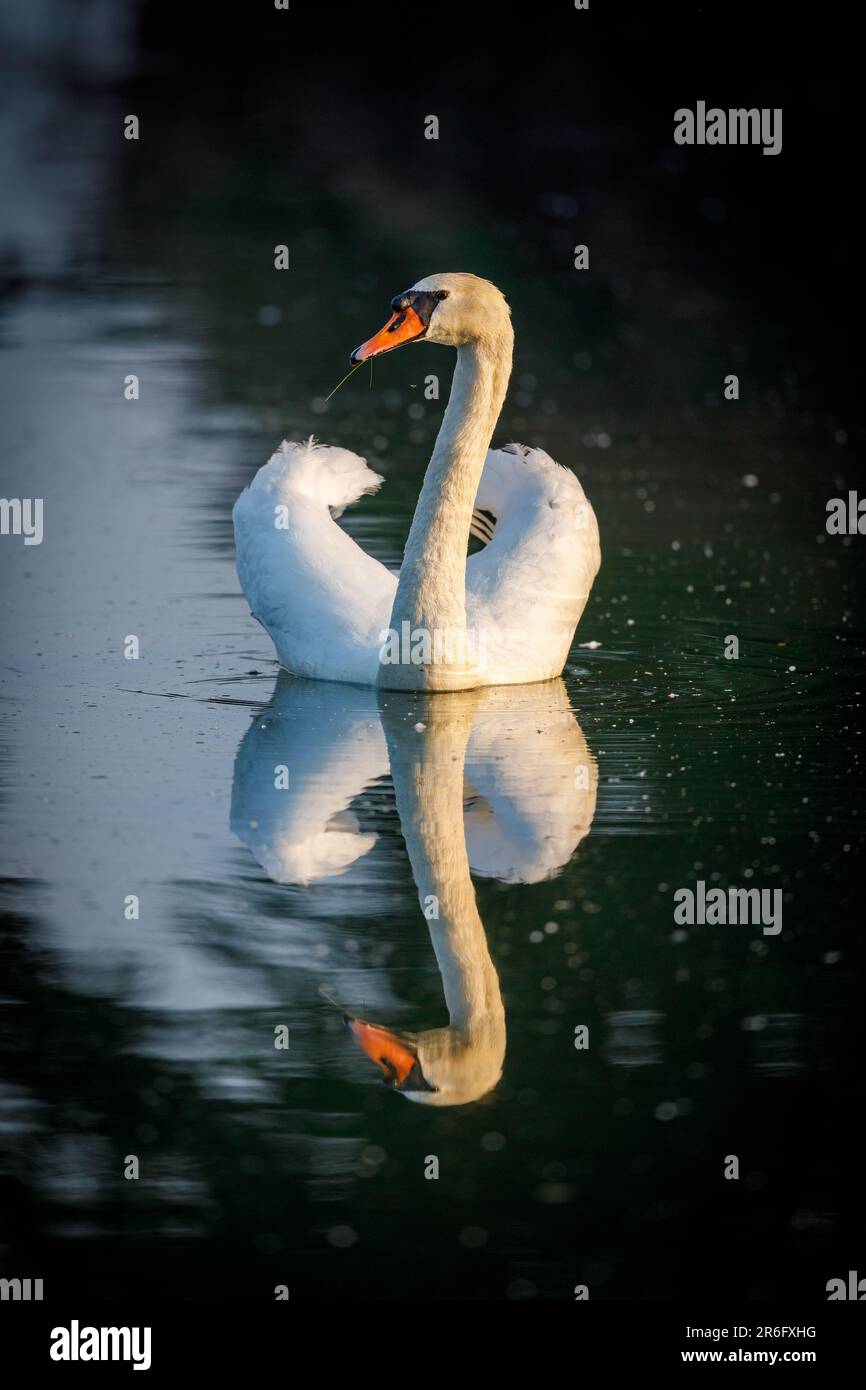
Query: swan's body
[(502, 616)]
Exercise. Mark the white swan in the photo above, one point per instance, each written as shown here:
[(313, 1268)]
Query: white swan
[(502, 616)]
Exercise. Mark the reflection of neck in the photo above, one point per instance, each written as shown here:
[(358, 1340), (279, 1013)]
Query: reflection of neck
[(431, 591), (427, 769)]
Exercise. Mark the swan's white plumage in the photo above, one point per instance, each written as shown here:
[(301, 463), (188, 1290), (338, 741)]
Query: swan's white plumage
[(326, 603), (323, 600), (527, 588)]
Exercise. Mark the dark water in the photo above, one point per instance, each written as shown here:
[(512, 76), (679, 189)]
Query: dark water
[(155, 1037)]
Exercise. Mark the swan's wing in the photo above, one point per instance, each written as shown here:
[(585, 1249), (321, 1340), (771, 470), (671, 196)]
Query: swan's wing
[(323, 600), (526, 590), (297, 822), (531, 783)]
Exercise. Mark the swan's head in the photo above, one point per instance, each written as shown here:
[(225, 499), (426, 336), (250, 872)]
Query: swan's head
[(453, 309), (442, 1066)]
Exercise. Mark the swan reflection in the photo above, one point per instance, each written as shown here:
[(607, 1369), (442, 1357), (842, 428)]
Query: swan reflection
[(498, 782)]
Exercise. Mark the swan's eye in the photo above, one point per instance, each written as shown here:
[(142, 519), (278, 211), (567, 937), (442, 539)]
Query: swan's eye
[(442, 294)]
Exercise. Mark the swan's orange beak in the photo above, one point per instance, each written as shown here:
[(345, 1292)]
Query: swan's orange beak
[(403, 327), (395, 1058)]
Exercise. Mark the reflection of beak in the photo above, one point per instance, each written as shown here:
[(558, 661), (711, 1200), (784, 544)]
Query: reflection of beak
[(396, 1058), (403, 327)]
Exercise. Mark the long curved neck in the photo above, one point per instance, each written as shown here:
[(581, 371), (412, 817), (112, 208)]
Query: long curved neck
[(431, 592)]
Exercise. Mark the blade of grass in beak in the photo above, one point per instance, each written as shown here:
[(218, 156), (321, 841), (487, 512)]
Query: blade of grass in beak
[(346, 378)]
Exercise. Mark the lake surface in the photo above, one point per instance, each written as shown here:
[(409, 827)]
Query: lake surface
[(261, 1166)]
